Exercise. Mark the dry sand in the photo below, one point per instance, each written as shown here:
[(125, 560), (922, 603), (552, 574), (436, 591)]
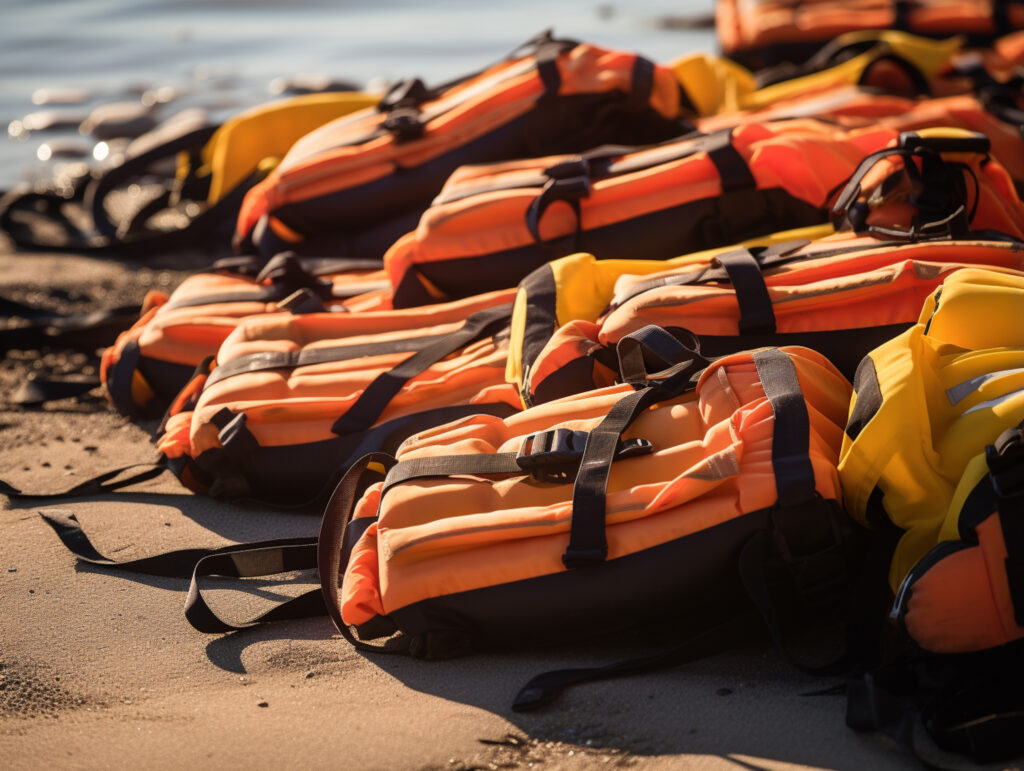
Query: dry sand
[(100, 669)]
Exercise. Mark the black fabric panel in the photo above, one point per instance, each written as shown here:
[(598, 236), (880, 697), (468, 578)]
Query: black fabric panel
[(979, 505), (688, 580), (298, 474), (869, 397), (576, 377), (165, 379), (693, 226), (845, 348), (541, 314)]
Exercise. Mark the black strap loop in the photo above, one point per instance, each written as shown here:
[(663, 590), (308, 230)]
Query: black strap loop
[(334, 546), (791, 462), (744, 270), (101, 484), (656, 345)]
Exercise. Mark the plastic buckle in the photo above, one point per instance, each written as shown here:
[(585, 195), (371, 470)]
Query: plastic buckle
[(569, 179), (555, 455), (404, 123)]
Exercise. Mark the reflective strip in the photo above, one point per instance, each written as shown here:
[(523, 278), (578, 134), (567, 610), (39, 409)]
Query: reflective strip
[(958, 393)]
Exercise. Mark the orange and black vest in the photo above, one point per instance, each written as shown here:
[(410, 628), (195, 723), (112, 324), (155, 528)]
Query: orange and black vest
[(492, 225), (353, 186), (151, 362), (292, 399)]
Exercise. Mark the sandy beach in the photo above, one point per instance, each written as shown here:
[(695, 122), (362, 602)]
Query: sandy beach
[(99, 669)]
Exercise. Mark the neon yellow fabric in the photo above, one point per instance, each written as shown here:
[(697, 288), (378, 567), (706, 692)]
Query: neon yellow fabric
[(949, 386), (585, 285), (716, 84), (259, 138)]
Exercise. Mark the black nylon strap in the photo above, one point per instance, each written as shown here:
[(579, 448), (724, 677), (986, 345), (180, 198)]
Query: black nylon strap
[(250, 561), (101, 484), (172, 564), (39, 390), (642, 82), (791, 462), (545, 688), (653, 342), (100, 188), (334, 549), (82, 331), (547, 68), (378, 394), (452, 465), (756, 314), (587, 541), (731, 165)]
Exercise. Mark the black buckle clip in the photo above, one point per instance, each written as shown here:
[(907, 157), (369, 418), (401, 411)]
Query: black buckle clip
[(569, 179), (554, 455), (1005, 460), (405, 123)]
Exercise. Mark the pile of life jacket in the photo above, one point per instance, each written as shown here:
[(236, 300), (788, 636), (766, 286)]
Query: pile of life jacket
[(582, 342)]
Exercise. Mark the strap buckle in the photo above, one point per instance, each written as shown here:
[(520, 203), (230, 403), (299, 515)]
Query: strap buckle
[(405, 123), (1005, 460), (569, 180), (555, 455)]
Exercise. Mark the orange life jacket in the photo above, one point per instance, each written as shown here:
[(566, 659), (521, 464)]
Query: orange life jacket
[(761, 33), (492, 225), (593, 512), (292, 399), (356, 182), (153, 360)]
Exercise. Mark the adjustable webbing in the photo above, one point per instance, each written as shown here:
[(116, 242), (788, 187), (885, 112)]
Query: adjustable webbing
[(375, 398), (756, 314), (588, 543), (84, 331), (791, 462), (334, 545), (654, 342), (101, 484)]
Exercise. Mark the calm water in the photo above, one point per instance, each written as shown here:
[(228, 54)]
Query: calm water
[(222, 54)]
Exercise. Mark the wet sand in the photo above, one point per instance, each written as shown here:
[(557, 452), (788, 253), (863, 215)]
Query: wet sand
[(100, 669)]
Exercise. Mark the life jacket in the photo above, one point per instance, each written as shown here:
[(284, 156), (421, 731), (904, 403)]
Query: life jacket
[(215, 166), (291, 399), (492, 225), (353, 186), (931, 461), (947, 387), (853, 107), (592, 514), (765, 33), (842, 296), (152, 361), (588, 304)]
